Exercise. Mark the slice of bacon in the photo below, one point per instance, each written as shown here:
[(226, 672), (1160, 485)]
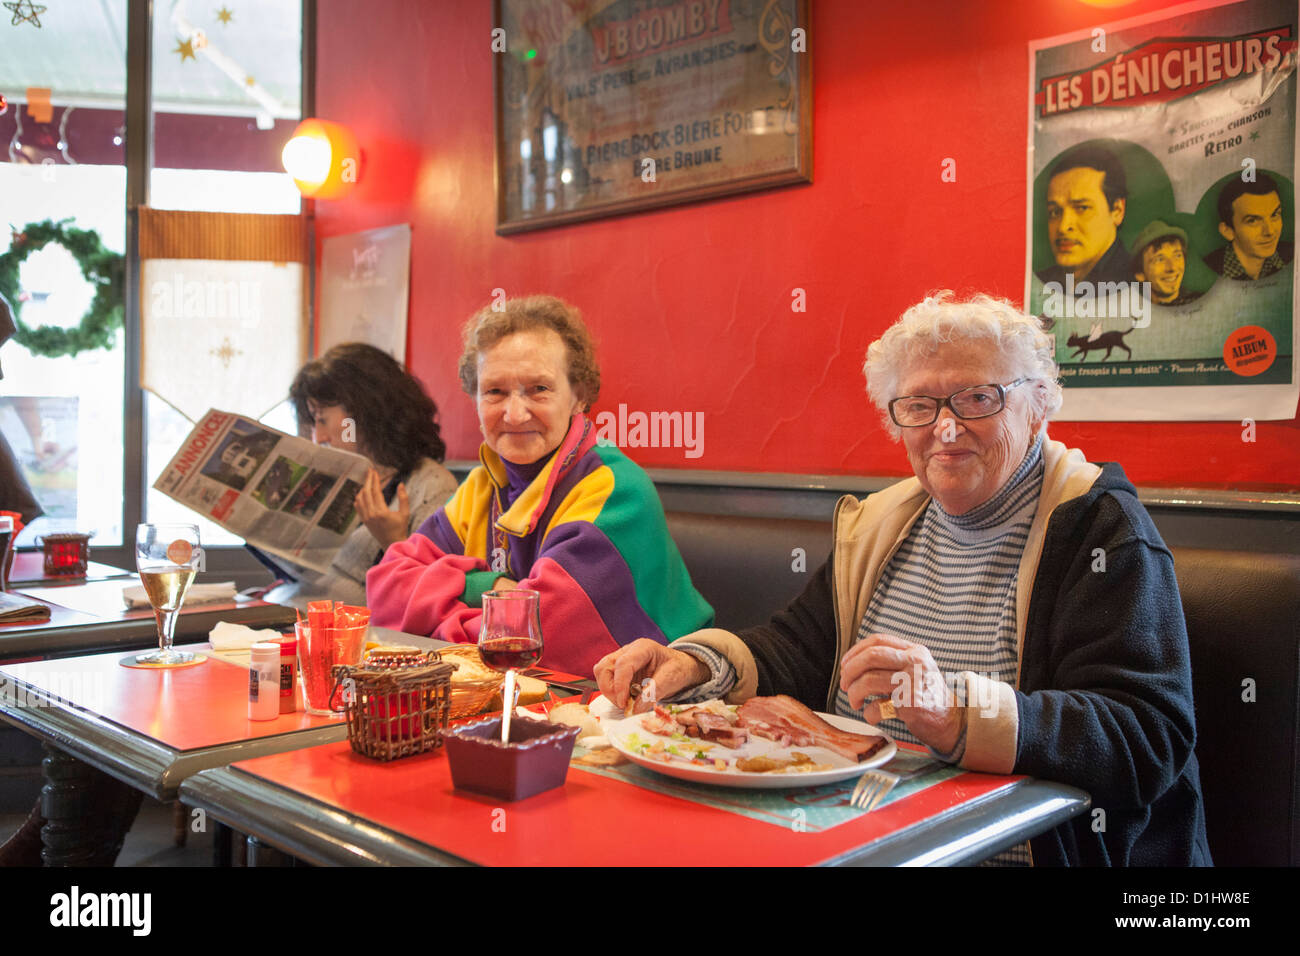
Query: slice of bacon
[(784, 736), (784, 717), (719, 729), (686, 717)]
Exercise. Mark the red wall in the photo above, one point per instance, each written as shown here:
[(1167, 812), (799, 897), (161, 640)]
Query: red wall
[(691, 305)]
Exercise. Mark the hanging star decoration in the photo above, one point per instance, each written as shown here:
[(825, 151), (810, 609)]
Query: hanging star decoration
[(25, 11), (224, 15), (226, 352), (186, 50)]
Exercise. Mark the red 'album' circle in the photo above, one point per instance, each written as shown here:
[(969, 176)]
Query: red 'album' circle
[(1249, 350)]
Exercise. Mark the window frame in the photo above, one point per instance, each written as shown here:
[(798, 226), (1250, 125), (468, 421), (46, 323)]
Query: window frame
[(232, 561)]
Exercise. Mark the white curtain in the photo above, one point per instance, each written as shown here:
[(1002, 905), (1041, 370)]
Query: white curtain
[(223, 302)]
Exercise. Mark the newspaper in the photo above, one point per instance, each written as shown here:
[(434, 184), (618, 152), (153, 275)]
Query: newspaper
[(282, 494)]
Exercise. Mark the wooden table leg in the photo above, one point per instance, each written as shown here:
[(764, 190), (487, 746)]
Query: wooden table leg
[(87, 813)]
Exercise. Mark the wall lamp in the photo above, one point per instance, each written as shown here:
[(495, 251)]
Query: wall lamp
[(323, 159)]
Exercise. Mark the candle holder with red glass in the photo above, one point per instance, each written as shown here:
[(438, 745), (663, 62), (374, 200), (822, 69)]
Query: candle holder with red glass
[(67, 554)]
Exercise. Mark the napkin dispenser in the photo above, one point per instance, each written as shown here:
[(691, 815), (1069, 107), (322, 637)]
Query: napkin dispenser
[(535, 760)]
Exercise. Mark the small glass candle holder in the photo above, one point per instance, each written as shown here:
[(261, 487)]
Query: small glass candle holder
[(66, 555)]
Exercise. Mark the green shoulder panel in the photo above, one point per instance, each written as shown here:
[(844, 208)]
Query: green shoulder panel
[(632, 518)]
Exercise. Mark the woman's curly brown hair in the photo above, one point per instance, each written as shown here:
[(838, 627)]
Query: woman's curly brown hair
[(396, 420), (491, 324)]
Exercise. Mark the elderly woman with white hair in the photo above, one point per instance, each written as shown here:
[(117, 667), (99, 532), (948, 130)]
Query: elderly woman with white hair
[(1011, 607)]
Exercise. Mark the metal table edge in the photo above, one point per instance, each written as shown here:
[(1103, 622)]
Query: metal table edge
[(306, 828), (139, 761), (947, 840), (121, 753), (75, 639)]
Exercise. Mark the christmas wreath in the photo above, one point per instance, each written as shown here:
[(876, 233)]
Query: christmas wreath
[(103, 269)]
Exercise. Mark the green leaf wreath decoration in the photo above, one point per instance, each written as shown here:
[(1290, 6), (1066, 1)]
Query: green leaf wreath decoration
[(103, 269)]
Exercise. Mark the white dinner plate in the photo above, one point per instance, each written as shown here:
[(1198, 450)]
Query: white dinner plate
[(618, 728)]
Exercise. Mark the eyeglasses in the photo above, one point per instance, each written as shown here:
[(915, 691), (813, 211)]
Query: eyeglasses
[(977, 401)]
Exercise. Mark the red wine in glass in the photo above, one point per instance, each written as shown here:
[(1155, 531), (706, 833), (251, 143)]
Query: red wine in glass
[(507, 653), (510, 637)]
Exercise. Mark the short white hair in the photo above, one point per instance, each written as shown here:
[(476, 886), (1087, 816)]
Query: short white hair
[(941, 319)]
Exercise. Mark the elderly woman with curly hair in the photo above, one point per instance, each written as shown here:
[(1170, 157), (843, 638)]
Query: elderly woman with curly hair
[(547, 510), (1012, 606), (360, 399)]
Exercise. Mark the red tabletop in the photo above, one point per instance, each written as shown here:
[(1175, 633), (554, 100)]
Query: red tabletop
[(590, 821), (59, 617), (185, 708), (99, 602), (29, 568), (101, 599)]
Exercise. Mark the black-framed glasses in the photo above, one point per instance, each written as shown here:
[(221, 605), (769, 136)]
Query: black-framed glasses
[(977, 401)]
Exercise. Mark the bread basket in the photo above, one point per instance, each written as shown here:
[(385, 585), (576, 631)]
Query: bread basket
[(473, 684)]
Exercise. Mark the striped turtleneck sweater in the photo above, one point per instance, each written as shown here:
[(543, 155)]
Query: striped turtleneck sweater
[(951, 585)]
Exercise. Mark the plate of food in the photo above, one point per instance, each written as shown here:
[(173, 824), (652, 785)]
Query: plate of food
[(765, 743)]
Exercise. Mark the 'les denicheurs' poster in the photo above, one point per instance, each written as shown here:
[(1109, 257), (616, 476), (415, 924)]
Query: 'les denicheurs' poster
[(1161, 219)]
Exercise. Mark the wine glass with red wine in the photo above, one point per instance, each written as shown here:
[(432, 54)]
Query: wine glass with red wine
[(510, 640)]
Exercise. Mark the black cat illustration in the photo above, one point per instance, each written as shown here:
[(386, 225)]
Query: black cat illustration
[(1099, 340)]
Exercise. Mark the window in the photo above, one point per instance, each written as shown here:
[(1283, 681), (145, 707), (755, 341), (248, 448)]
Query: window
[(220, 119), (63, 414), (226, 94)]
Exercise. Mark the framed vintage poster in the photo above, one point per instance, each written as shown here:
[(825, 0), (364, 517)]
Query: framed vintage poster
[(1161, 214), (605, 107)]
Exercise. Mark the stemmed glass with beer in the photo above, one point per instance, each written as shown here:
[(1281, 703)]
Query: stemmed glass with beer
[(167, 557)]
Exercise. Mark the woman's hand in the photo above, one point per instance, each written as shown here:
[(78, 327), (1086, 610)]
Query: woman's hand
[(904, 672), (645, 660), (388, 527)]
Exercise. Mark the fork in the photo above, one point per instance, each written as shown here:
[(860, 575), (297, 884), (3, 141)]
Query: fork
[(875, 785)]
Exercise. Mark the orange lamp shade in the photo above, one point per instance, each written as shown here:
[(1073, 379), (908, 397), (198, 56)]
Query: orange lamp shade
[(323, 158)]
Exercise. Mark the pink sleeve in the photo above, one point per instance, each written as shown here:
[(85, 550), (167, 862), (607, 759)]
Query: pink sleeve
[(418, 587)]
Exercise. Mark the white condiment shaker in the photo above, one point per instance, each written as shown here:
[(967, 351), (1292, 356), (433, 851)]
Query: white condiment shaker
[(264, 682)]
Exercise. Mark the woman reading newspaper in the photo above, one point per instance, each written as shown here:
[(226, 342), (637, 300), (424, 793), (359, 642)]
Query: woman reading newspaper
[(358, 398)]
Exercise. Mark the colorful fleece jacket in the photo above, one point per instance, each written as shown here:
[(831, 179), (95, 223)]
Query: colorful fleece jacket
[(588, 533)]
